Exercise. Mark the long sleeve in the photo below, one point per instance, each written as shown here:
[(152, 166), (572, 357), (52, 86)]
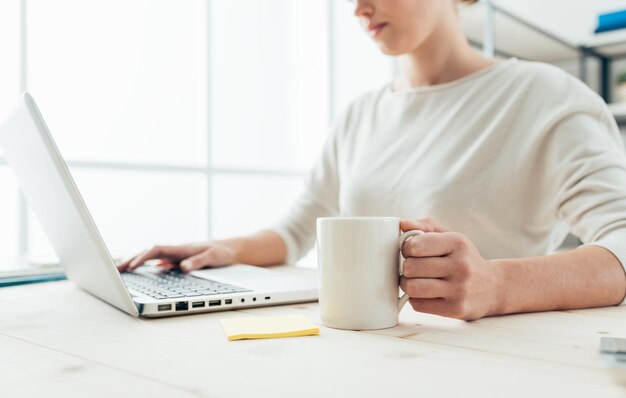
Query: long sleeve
[(319, 198), (588, 172)]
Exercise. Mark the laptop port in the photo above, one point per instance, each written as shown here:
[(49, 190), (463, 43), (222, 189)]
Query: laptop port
[(164, 307), (228, 301), (197, 304), (253, 298), (213, 303), (267, 297), (182, 306)]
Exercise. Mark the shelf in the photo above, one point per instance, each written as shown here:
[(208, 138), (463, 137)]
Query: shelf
[(515, 36), (609, 44), (529, 31), (534, 39)]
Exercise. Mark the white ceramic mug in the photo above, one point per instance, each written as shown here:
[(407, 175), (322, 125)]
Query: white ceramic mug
[(359, 268)]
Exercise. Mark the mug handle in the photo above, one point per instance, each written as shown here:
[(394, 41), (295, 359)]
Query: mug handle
[(405, 297)]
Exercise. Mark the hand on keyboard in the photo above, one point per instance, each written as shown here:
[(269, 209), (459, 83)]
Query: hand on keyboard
[(188, 257)]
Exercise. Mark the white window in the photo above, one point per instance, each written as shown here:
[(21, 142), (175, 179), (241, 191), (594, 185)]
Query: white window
[(9, 87), (180, 120)]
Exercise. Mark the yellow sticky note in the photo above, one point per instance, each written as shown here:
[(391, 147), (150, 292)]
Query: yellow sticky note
[(268, 327)]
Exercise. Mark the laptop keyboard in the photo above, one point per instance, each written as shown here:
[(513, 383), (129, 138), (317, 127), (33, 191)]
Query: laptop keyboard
[(176, 284)]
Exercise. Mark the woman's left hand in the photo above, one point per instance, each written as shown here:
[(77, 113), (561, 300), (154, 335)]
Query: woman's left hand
[(444, 274)]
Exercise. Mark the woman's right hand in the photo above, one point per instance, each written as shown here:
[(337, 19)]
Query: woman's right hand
[(188, 257)]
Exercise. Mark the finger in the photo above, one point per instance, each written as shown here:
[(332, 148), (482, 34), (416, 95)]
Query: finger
[(174, 253), (423, 224), (124, 266), (427, 267), (142, 258), (154, 253), (432, 244), (166, 265), (197, 261), (426, 288), (436, 306), (439, 306)]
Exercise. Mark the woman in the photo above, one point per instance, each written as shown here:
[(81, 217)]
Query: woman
[(510, 155)]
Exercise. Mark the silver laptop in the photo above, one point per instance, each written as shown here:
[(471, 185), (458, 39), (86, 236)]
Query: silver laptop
[(51, 192)]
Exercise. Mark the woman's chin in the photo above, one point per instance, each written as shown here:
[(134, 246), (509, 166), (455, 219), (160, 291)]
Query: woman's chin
[(389, 49)]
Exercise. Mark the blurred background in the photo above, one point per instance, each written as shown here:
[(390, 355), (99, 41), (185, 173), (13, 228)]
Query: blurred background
[(187, 120)]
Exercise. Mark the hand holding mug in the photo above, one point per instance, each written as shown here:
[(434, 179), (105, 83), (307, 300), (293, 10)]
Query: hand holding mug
[(444, 274)]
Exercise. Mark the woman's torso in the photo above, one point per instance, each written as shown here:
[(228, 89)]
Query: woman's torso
[(467, 154)]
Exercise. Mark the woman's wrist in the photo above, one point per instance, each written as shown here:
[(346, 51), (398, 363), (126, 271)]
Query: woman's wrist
[(262, 248), (500, 288)]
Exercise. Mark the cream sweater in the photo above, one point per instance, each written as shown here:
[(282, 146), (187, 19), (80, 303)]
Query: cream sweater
[(514, 156)]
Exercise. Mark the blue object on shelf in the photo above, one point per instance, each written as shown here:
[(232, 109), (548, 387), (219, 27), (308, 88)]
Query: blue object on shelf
[(611, 21), (21, 280)]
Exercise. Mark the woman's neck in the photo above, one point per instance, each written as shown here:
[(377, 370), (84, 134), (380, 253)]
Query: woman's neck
[(445, 57)]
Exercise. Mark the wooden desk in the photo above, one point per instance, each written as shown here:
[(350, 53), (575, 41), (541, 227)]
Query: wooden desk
[(56, 340)]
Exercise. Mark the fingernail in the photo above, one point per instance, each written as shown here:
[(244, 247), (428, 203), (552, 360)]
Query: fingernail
[(408, 239)]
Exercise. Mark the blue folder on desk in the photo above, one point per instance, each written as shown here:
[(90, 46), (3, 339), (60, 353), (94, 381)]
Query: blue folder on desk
[(611, 21)]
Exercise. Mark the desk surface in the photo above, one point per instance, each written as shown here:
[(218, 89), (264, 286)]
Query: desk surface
[(56, 340)]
